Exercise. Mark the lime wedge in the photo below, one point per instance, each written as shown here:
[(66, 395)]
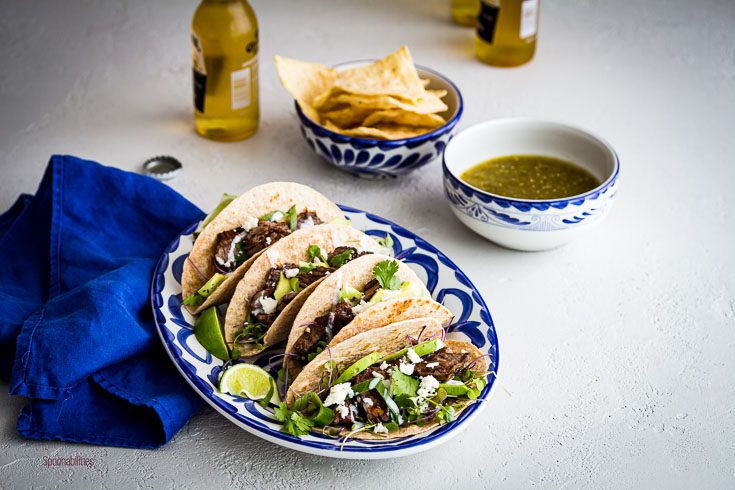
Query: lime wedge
[(208, 331), (247, 380)]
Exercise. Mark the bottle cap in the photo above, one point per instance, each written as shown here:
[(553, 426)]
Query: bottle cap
[(162, 167)]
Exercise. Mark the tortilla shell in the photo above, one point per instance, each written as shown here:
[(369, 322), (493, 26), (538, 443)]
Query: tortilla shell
[(293, 249), (357, 274), (254, 203), (386, 340), (392, 311), (480, 367)]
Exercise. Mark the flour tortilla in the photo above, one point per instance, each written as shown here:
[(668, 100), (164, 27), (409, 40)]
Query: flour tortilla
[(293, 249), (258, 201), (356, 274), (385, 340), (392, 311)]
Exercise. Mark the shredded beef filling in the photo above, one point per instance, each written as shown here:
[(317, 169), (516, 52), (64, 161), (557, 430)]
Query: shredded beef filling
[(370, 289), (304, 216), (449, 364), (269, 288), (348, 419), (371, 402), (265, 234), (314, 275), (323, 328), (371, 405), (222, 262)]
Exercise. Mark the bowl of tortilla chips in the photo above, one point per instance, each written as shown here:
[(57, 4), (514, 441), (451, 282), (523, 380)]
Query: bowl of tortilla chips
[(373, 118)]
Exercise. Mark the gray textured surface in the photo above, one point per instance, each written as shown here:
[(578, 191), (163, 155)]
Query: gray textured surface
[(617, 350)]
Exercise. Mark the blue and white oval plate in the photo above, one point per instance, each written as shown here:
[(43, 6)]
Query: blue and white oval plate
[(447, 283)]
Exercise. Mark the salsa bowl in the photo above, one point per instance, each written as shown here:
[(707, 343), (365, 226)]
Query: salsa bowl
[(524, 224), (380, 159)]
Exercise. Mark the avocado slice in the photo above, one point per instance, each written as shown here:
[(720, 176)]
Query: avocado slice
[(282, 288)]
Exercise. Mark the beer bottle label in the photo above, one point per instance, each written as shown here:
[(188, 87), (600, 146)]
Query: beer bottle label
[(199, 70), (487, 20)]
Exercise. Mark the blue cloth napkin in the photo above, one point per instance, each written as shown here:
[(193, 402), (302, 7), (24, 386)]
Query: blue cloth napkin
[(77, 333)]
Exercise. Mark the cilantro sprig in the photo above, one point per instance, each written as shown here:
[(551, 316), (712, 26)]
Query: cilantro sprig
[(251, 333), (290, 217), (316, 253), (294, 422), (385, 273), (342, 258)]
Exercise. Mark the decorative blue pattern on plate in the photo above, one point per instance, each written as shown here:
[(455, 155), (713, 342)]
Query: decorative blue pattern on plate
[(447, 283)]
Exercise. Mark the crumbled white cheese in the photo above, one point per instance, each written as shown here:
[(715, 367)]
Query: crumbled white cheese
[(338, 394), (413, 357), (380, 429), (424, 408), (342, 410), (384, 366), (360, 307), (368, 244), (428, 387), (368, 402), (308, 222), (291, 272), (406, 368), (269, 304), (268, 240), (432, 365), (338, 238), (277, 216), (273, 257), (249, 223), (378, 375)]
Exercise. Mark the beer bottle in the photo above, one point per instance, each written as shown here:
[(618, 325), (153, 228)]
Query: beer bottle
[(506, 31), (224, 36)]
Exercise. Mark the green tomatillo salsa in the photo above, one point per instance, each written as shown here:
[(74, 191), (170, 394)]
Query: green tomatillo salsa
[(530, 177)]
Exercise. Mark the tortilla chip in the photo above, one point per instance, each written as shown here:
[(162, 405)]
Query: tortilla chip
[(304, 81), (431, 103), (393, 75), (346, 117), (381, 132), (403, 118)]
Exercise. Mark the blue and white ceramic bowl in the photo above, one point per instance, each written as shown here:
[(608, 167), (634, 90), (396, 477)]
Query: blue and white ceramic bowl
[(447, 284), (379, 159), (529, 225)]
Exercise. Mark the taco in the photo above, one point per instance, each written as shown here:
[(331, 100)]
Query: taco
[(272, 291), (390, 382), (229, 244), (358, 286), (392, 311)]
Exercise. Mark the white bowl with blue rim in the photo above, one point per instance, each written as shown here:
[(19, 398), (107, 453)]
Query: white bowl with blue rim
[(525, 224), (379, 159)]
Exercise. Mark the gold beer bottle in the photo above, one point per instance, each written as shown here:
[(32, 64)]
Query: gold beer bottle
[(506, 31), (224, 35), (464, 12)]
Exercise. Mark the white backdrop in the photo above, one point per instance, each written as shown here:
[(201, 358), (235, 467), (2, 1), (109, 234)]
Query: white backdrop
[(617, 351)]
